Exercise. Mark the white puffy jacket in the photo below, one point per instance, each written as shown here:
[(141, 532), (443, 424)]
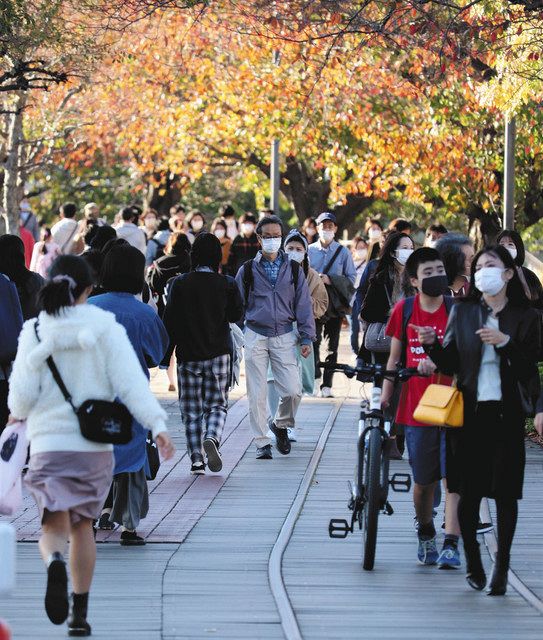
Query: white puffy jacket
[(96, 361)]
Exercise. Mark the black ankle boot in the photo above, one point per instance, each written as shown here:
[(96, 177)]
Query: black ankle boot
[(77, 624), (475, 576), (498, 581)]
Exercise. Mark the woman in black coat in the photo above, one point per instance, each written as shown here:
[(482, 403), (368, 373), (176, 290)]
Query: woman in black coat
[(491, 345), (28, 283), (385, 287)]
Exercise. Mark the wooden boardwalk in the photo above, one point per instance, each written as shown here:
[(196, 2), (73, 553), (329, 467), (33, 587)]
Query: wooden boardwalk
[(208, 576)]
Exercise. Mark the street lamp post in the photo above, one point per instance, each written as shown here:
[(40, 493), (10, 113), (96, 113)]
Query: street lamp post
[(274, 169), (509, 175)]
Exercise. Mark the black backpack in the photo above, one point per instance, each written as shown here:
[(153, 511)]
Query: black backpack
[(249, 278)]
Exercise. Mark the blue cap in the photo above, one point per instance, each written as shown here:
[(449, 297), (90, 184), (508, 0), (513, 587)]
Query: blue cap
[(326, 216)]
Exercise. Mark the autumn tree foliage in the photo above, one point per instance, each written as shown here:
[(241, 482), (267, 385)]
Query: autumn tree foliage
[(186, 93)]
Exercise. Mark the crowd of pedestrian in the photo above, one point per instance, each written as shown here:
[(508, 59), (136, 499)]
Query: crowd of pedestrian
[(101, 304)]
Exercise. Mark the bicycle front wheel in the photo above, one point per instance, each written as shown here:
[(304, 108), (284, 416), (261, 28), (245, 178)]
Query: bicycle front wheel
[(372, 486)]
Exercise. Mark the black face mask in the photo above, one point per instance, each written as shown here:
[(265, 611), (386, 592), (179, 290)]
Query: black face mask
[(435, 286)]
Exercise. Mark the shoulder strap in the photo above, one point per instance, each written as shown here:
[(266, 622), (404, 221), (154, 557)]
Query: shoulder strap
[(27, 220), (69, 238), (330, 264), (248, 279), (449, 302), (56, 373)]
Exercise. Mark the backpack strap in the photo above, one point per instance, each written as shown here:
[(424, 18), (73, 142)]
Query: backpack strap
[(407, 312), (449, 302), (248, 279)]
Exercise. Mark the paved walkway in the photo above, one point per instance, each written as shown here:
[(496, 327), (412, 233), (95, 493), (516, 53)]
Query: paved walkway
[(209, 576)]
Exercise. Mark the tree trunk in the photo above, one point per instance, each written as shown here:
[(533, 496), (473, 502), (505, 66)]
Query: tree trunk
[(347, 213), (11, 189), (483, 226), (308, 192), (165, 196)]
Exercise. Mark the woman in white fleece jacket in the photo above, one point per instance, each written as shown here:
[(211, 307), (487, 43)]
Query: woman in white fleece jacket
[(68, 475)]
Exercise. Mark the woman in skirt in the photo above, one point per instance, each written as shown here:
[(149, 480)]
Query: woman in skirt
[(69, 476), (491, 345)]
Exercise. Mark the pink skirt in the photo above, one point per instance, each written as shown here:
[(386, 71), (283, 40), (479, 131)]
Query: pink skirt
[(73, 481)]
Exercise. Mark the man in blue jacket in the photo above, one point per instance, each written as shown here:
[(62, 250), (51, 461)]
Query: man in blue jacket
[(278, 316)]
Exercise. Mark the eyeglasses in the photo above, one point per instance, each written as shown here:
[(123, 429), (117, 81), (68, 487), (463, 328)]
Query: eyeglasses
[(266, 237)]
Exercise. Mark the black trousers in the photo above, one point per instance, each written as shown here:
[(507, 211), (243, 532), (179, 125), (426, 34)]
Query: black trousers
[(330, 331)]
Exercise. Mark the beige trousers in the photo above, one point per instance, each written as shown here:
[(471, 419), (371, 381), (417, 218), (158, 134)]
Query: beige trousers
[(279, 353)]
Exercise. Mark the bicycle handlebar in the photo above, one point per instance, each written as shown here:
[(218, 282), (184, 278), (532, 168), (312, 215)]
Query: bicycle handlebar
[(373, 370)]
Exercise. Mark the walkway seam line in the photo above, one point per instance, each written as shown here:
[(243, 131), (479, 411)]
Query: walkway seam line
[(289, 622), (491, 543)]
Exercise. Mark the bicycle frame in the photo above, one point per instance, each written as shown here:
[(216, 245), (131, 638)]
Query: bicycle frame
[(371, 418)]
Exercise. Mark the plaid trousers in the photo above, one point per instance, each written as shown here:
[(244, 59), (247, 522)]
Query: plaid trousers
[(203, 398)]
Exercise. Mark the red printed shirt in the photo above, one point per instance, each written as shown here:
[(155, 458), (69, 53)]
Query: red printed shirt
[(414, 388)]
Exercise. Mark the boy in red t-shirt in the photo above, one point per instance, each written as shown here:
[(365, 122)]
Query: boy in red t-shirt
[(425, 444)]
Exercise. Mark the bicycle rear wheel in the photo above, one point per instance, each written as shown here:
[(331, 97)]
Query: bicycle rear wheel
[(372, 486)]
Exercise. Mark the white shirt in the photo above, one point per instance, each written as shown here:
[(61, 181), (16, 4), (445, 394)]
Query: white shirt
[(64, 232), (489, 384), (133, 235)]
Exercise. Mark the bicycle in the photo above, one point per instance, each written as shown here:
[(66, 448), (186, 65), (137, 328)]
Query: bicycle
[(369, 491)]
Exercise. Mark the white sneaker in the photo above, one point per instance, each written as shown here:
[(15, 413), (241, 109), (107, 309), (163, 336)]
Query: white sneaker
[(326, 392), (291, 432)]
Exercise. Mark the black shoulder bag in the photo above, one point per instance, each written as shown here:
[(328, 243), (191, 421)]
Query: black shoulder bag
[(99, 420)]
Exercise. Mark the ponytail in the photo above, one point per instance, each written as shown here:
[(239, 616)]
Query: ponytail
[(69, 276)]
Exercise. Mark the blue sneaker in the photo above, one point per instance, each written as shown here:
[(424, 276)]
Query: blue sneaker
[(428, 551), (449, 558)]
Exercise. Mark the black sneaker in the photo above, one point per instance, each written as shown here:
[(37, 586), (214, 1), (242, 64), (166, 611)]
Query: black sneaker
[(56, 594), (198, 468), (264, 453), (214, 460), (131, 539), (484, 527), (281, 439)]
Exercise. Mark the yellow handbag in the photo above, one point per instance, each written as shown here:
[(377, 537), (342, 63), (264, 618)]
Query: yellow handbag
[(442, 406)]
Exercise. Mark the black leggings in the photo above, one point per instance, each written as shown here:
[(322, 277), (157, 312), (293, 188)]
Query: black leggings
[(468, 516)]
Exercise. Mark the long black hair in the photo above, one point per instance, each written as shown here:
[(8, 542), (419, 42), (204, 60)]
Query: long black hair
[(386, 256), (517, 241), (69, 276), (12, 259), (515, 291)]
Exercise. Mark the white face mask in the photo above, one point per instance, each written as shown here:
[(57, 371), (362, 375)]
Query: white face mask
[(490, 280), (361, 254), (247, 228), (431, 243), (374, 234), (150, 223), (512, 250), (296, 254), (197, 225), (326, 236), (271, 245), (402, 255), (219, 233), (310, 232)]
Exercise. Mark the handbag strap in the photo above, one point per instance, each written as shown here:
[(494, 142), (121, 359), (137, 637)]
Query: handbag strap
[(56, 373), (332, 260)]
